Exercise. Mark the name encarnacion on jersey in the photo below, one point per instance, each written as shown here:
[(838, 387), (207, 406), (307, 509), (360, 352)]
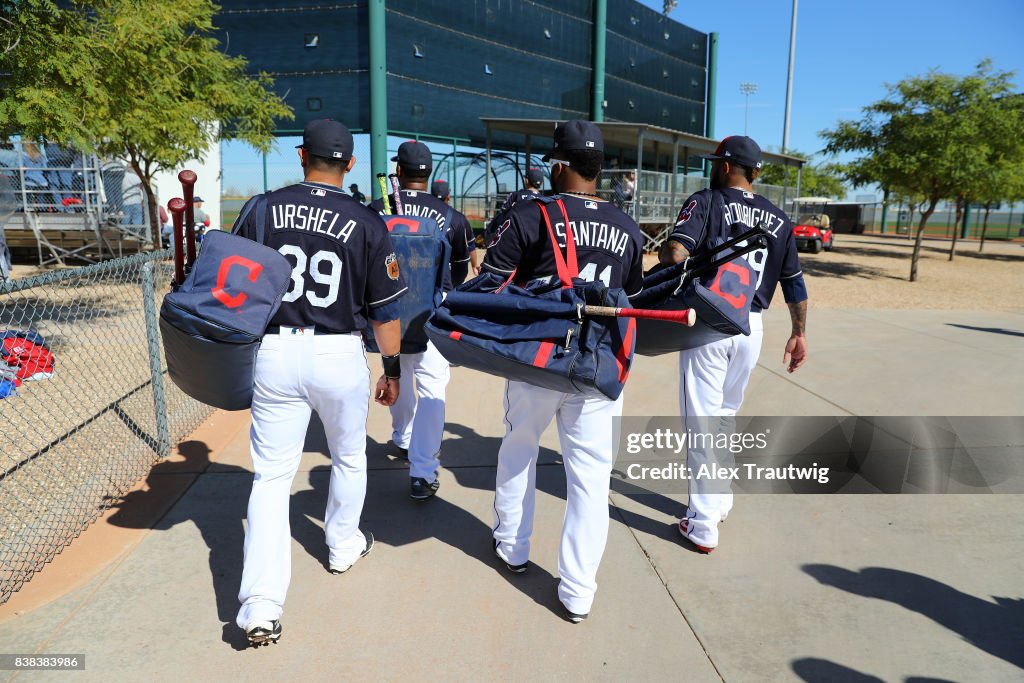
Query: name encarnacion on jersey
[(752, 216), (424, 212), (311, 219), (595, 235)]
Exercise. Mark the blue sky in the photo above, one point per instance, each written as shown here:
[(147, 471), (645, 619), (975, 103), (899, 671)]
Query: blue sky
[(845, 53)]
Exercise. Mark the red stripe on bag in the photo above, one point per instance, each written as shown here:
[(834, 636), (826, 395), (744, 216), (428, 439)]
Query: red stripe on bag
[(456, 335), (543, 353), (624, 352)]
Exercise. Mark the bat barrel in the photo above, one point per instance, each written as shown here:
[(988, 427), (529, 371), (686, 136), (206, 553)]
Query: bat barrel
[(395, 190), (177, 208), (382, 182), (188, 180)]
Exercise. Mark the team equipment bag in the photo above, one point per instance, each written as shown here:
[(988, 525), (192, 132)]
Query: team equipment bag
[(539, 333), (212, 323), (716, 283), (422, 252)]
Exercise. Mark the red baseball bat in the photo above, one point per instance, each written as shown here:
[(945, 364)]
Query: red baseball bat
[(187, 179), (686, 316), (177, 208)]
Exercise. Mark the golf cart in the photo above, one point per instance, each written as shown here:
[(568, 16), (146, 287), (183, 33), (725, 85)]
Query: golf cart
[(813, 231)]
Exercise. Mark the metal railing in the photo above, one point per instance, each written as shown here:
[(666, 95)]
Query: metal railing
[(92, 410)]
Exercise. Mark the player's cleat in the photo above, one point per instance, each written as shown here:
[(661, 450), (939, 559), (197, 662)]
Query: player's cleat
[(342, 568), (574, 617), (421, 489), (684, 529), (398, 451), (263, 632), (514, 568)]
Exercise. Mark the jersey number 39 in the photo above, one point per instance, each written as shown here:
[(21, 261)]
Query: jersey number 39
[(324, 269)]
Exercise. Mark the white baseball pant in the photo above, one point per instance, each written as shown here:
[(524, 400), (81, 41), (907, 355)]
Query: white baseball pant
[(712, 379), (417, 417), (585, 432), (297, 372)]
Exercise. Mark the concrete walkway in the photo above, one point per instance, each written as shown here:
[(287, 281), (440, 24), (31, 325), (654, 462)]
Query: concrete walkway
[(815, 588)]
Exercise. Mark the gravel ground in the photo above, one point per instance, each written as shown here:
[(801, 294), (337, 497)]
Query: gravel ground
[(872, 271)]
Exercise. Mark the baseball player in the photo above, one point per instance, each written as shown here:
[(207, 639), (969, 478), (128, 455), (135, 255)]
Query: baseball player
[(345, 275), (713, 377), (534, 184), (610, 250), (417, 418)]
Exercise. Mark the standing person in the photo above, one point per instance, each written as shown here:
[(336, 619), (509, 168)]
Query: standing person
[(611, 251), (61, 159), (132, 196), (356, 194), (713, 377), (417, 418), (440, 189), (345, 274), (534, 184)]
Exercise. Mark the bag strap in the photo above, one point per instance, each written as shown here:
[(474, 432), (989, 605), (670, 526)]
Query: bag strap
[(566, 266), (260, 207)]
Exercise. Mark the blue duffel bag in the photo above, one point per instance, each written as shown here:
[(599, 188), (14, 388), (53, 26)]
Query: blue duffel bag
[(538, 334), (212, 323), (423, 253)]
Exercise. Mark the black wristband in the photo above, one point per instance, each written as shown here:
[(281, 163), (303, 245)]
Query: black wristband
[(392, 366)]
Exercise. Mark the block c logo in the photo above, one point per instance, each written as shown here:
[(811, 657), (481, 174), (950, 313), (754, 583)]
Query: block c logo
[(219, 293), (744, 276)]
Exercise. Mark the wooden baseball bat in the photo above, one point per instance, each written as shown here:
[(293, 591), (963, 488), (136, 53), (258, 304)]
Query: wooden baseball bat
[(382, 181), (686, 316), (398, 197), (177, 208), (188, 179)]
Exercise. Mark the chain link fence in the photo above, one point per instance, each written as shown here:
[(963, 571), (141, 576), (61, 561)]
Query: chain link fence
[(85, 404)]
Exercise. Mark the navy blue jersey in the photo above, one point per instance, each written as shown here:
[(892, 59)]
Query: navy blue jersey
[(341, 254), (510, 200), (609, 246), (457, 229), (778, 262)]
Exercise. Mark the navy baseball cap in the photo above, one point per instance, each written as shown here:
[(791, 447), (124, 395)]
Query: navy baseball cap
[(439, 188), (535, 177), (738, 148), (414, 156), (575, 135), (196, 199), (327, 138)]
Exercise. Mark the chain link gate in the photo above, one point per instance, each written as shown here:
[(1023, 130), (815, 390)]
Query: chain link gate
[(72, 443)]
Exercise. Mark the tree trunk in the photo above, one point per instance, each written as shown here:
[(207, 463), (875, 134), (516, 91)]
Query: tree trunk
[(984, 227), (925, 215), (960, 204), (910, 219)]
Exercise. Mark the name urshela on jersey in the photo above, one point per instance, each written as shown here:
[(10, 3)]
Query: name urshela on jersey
[(752, 217), (311, 219), (595, 235)]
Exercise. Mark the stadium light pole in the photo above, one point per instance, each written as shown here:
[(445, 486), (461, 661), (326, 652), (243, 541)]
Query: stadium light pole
[(789, 79), (747, 89)]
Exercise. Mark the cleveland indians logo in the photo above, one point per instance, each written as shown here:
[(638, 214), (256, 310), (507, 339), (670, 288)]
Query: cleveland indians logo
[(687, 211), (219, 292), (742, 273)]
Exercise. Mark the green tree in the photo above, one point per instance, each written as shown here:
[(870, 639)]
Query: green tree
[(142, 80), (820, 180), (930, 137), (1007, 185)]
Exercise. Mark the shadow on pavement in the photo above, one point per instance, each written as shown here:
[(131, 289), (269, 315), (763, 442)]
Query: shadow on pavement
[(813, 670), (992, 330), (216, 509), (996, 628)]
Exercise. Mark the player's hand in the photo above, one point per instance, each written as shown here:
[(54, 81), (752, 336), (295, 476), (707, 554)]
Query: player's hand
[(796, 352), (386, 392)]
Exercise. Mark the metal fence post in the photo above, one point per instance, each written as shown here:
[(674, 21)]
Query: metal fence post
[(163, 435)]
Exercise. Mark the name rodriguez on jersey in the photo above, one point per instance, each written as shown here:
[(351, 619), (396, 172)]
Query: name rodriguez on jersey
[(311, 219)]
